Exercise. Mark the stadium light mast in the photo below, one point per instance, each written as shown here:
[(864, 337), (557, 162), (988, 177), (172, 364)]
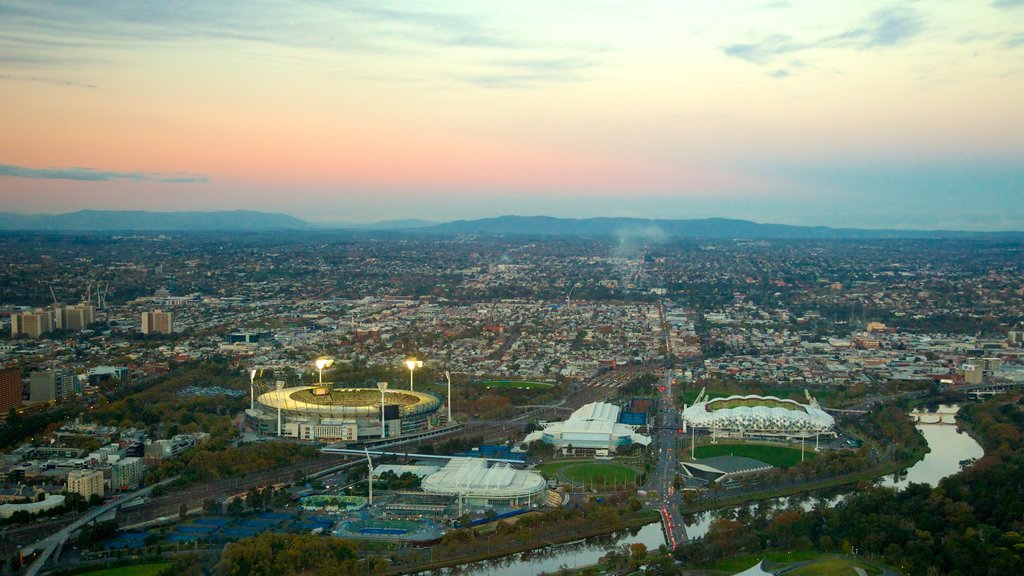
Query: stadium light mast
[(412, 363), (252, 388), (280, 386), (449, 378), (369, 476), (382, 386), (321, 363)]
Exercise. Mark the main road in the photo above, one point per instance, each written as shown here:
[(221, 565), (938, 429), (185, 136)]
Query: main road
[(662, 479)]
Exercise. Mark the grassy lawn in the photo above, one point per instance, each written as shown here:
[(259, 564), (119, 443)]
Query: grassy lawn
[(515, 384), (780, 456), (690, 395), (741, 563), (550, 469), (598, 473), (136, 570), (833, 567), (820, 564)]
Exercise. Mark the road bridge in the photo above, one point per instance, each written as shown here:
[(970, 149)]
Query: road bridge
[(52, 546)]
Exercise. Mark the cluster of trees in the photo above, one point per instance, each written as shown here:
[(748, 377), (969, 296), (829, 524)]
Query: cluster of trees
[(162, 411), (391, 481), (256, 499), (536, 530), (290, 555), (970, 524), (17, 427), (214, 461), (92, 534)]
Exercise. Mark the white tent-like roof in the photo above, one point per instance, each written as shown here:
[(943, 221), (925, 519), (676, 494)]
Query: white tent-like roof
[(593, 425), (473, 478)]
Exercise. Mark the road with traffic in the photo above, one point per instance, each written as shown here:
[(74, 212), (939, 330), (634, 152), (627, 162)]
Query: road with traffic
[(664, 474)]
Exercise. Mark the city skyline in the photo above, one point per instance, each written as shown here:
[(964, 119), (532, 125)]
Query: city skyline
[(875, 115)]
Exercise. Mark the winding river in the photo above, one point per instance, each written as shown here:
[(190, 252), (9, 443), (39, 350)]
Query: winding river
[(948, 447)]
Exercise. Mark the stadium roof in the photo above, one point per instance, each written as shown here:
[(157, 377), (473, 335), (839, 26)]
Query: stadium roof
[(345, 402), (473, 478), (593, 425), (731, 464), (754, 413)]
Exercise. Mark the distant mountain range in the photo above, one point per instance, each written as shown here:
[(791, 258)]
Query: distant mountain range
[(698, 228), (644, 228), (118, 220)]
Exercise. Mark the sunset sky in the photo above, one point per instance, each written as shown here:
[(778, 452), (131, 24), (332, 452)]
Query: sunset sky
[(867, 114)]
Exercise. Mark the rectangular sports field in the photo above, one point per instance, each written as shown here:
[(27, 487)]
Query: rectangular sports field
[(778, 456)]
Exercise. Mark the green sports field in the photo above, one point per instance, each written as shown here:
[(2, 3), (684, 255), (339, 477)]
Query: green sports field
[(596, 473), (136, 570), (515, 384), (779, 456)]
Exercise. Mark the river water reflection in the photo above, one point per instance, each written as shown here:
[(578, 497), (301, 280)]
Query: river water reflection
[(948, 448)]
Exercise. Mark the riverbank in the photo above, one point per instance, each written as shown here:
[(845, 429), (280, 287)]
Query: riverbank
[(636, 520), (809, 486)]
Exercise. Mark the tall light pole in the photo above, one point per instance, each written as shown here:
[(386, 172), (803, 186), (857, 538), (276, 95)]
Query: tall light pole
[(369, 476), (321, 363), (382, 386), (280, 386), (412, 363), (449, 378), (252, 388)]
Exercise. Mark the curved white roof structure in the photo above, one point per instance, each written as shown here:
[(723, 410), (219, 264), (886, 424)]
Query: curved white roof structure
[(472, 478), (593, 425), (51, 501), (758, 414)]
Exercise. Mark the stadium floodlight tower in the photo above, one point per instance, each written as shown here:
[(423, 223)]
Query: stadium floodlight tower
[(252, 388), (448, 377), (280, 386), (382, 386), (369, 477), (412, 363), (321, 363)]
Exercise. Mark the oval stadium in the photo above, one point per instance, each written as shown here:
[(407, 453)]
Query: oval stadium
[(758, 417), (322, 412)]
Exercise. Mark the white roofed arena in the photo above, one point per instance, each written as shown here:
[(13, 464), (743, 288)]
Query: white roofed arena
[(479, 485), (593, 426), (756, 416)]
